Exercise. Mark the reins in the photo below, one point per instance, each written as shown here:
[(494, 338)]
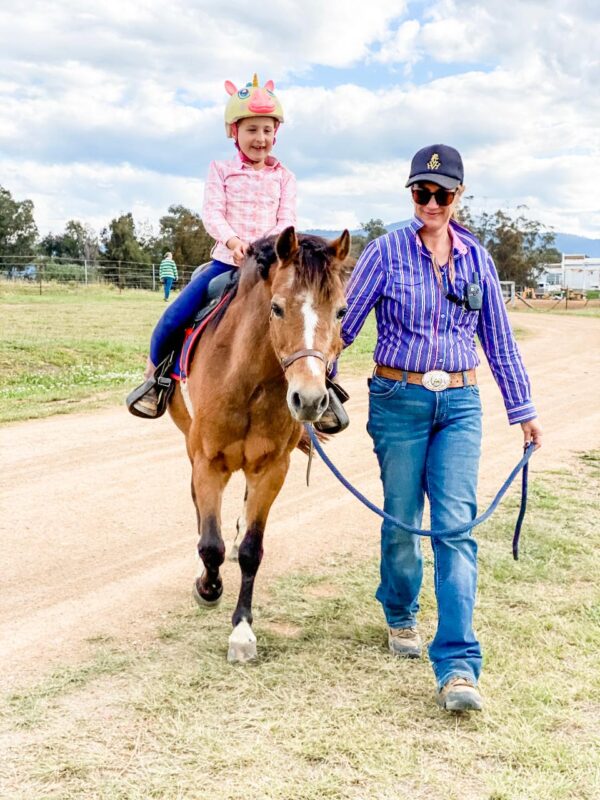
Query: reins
[(447, 532)]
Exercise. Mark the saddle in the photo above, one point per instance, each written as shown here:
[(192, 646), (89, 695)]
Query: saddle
[(214, 293), (152, 396), (150, 399)]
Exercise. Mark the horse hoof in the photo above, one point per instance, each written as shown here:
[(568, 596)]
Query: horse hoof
[(242, 644), (205, 602), (234, 553)]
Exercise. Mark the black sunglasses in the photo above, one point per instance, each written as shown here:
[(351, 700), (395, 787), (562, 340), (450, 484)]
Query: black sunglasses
[(443, 197)]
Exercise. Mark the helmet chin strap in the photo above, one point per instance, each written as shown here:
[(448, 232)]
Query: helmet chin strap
[(243, 156)]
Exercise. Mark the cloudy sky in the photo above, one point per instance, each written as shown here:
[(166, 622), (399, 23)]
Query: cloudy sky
[(118, 106)]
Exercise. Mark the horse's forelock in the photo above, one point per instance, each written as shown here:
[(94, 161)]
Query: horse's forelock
[(314, 265)]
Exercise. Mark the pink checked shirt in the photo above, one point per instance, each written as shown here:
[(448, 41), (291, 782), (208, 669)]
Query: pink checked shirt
[(245, 202)]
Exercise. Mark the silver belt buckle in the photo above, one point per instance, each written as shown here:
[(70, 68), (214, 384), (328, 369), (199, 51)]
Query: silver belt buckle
[(436, 380)]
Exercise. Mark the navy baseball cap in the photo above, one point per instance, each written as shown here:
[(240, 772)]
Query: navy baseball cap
[(439, 164)]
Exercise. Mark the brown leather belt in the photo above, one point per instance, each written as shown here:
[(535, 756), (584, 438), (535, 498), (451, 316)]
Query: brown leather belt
[(436, 380)]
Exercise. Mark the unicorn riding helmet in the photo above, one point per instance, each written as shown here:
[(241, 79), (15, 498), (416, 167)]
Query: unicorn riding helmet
[(251, 100)]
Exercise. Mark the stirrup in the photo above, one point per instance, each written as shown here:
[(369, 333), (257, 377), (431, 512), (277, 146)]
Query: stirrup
[(334, 418), (160, 383), (137, 394)]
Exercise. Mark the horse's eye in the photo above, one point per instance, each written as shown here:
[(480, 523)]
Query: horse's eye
[(276, 310), (341, 313)]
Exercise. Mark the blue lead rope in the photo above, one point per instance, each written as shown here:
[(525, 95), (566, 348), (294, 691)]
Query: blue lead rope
[(522, 465), (523, 509)]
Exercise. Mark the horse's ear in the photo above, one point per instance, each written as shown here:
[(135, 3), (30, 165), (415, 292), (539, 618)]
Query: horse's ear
[(287, 244), (340, 247)]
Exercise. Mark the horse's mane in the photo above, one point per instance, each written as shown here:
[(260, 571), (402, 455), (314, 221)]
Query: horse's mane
[(312, 268)]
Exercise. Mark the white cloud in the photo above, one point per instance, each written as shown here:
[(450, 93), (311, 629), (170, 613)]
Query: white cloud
[(195, 44), (95, 193), (402, 45), (120, 107)]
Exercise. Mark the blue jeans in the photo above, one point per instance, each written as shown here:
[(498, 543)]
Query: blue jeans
[(429, 443), (169, 332), (167, 283)]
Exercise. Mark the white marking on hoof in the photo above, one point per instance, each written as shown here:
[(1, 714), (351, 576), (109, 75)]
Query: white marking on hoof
[(242, 644)]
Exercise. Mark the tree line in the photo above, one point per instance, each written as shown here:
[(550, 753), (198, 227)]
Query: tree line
[(111, 254), (519, 245)]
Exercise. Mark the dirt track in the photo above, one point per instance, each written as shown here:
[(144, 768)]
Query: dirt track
[(98, 529)]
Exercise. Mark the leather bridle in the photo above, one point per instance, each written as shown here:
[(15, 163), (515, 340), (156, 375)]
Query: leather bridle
[(289, 360)]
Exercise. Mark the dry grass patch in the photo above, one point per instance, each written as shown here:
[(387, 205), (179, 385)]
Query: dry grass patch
[(325, 712)]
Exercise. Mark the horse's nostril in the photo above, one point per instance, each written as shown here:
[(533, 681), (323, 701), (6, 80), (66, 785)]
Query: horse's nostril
[(323, 403), (296, 400)]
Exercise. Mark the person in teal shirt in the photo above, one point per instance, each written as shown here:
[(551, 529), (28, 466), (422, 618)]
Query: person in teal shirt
[(167, 272)]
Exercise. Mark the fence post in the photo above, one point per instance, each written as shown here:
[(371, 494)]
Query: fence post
[(153, 277), (120, 284), (85, 270)]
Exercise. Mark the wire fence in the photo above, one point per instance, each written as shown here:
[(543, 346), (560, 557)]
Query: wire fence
[(39, 272), (44, 270)]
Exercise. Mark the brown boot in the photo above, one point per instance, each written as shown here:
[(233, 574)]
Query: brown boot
[(150, 398), (405, 642), (143, 401), (460, 694), (334, 419)]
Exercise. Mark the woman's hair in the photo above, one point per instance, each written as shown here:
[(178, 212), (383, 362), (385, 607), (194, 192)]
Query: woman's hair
[(459, 193)]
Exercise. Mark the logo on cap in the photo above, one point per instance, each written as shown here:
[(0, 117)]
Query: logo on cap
[(435, 162)]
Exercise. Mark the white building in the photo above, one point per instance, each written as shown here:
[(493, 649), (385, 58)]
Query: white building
[(574, 272)]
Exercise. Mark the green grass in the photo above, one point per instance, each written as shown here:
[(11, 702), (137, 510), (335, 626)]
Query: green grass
[(586, 311), (325, 712), (78, 348), (579, 312), (358, 358), (71, 349)]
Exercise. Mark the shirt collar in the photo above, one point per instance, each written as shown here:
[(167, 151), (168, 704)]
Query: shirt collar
[(271, 162), (458, 244)]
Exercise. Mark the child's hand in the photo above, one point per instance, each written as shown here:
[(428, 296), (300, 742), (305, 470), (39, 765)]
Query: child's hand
[(239, 249)]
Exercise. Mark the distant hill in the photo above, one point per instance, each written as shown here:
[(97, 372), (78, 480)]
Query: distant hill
[(568, 243), (565, 242)]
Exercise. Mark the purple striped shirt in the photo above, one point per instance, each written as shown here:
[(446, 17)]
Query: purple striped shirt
[(418, 329)]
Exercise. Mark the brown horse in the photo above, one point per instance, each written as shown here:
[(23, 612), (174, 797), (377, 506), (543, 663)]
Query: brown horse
[(257, 375)]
